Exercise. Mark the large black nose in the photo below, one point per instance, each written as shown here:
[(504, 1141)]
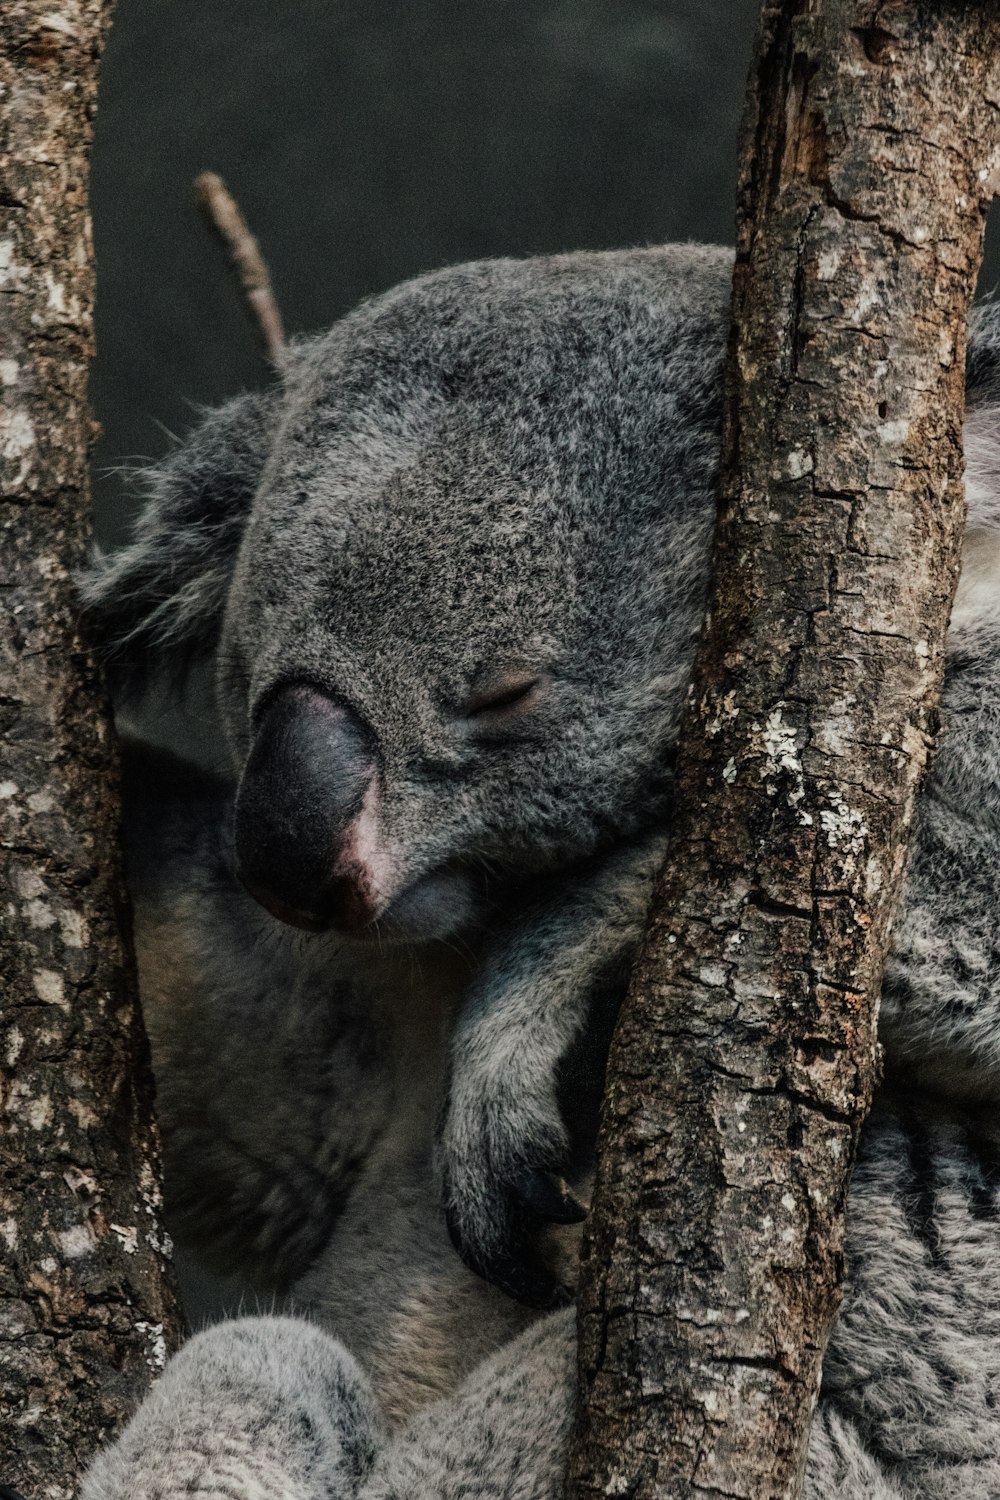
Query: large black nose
[(310, 764)]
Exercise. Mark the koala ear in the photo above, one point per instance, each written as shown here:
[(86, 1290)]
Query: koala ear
[(156, 605)]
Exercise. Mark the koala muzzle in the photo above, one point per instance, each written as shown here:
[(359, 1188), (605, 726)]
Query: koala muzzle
[(310, 766)]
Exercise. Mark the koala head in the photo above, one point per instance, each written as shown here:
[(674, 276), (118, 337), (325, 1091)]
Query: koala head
[(451, 572)]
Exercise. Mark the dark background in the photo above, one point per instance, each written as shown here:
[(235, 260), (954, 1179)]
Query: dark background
[(370, 141)]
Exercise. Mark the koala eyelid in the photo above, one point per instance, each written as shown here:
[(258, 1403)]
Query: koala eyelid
[(502, 696)]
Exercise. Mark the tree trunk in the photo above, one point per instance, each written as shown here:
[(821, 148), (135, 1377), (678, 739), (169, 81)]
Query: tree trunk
[(86, 1303), (745, 1056)]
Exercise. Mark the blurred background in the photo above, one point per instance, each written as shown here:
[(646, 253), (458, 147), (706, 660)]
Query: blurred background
[(368, 140)]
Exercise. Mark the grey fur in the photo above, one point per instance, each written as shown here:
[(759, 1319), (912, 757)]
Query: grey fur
[(511, 465)]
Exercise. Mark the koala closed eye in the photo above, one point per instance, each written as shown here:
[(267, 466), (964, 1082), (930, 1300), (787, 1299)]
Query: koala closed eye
[(506, 694)]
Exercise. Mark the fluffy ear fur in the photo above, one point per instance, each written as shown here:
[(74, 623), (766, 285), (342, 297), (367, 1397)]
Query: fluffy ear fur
[(156, 605)]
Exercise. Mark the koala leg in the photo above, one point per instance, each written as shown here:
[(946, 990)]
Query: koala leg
[(263, 1408), (909, 1408), (910, 1403), (914, 1360), (505, 1434), (392, 1289), (503, 1143), (839, 1464)]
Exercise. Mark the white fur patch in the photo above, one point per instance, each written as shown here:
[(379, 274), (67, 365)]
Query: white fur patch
[(977, 601)]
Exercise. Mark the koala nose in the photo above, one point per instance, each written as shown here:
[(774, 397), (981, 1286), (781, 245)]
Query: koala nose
[(310, 766)]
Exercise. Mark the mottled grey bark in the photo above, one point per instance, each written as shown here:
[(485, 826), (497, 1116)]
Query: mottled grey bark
[(745, 1056), (86, 1305)]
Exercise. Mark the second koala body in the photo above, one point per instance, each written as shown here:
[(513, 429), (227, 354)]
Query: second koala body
[(467, 548)]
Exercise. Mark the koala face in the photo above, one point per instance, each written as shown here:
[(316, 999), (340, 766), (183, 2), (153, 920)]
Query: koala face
[(465, 599), (457, 618)]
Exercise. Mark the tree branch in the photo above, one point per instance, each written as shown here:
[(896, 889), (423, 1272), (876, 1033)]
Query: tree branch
[(87, 1312), (249, 267), (745, 1055)]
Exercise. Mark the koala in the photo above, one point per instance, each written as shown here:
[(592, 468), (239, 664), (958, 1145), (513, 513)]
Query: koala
[(448, 577)]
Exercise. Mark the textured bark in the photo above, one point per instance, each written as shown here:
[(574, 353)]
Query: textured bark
[(746, 1053), (86, 1305)]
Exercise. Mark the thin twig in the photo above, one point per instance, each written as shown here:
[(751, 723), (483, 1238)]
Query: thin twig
[(223, 215)]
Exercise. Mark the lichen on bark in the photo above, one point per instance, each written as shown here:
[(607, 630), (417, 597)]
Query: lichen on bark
[(87, 1311), (745, 1055)]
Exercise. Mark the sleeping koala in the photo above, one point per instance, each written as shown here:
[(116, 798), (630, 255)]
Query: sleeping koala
[(450, 575)]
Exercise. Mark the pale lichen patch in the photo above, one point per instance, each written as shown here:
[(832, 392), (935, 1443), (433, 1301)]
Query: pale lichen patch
[(844, 826), (49, 987), (156, 1356), (149, 1188), (39, 915), (50, 567), (128, 1235), (12, 272), (72, 929), (82, 1113), (76, 1241), (161, 1242), (29, 884), (781, 751), (15, 1042), (725, 712), (836, 734), (17, 438), (781, 760), (39, 1112), (81, 1183), (892, 433), (55, 295), (827, 264), (54, 21)]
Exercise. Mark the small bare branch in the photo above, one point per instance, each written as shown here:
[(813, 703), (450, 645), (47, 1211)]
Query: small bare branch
[(223, 214)]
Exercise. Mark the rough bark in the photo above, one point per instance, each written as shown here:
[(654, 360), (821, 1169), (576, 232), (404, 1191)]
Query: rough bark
[(746, 1053), (86, 1305)]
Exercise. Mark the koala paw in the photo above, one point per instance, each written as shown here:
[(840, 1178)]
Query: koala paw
[(500, 1162)]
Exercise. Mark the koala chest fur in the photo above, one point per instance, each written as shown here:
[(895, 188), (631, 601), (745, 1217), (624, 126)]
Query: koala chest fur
[(287, 1066), (450, 575)]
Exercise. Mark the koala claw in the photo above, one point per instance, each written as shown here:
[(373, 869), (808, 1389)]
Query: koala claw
[(548, 1197), (496, 1238), (509, 1262)]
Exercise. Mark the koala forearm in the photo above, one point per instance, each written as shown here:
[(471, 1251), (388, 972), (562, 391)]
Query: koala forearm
[(565, 965)]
